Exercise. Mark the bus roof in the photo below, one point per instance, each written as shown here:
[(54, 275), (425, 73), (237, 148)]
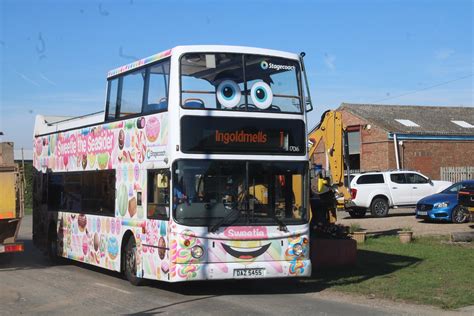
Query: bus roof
[(178, 50)]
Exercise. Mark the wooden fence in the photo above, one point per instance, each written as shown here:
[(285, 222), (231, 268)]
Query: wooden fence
[(455, 174)]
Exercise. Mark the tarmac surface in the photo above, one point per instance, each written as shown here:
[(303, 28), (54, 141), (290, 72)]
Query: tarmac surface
[(30, 285)]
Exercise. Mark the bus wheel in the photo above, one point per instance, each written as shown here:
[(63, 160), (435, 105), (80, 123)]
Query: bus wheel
[(53, 246), (131, 263)]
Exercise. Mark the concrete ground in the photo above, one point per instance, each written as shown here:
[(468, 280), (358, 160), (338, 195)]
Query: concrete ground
[(400, 218)]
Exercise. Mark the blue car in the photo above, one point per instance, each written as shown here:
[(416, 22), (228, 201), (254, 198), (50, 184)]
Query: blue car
[(443, 206)]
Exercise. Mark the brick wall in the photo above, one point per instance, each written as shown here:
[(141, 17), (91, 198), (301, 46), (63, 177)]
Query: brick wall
[(378, 152), (429, 156)]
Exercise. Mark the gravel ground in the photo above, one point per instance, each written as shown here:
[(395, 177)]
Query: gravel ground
[(399, 218)]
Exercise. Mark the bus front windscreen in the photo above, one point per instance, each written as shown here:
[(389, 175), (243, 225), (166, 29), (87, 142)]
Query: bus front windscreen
[(224, 193), (240, 82)]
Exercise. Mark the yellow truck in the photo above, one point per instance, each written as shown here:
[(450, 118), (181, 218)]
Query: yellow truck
[(11, 201)]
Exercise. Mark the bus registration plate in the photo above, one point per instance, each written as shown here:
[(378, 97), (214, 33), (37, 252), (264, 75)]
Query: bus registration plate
[(249, 273)]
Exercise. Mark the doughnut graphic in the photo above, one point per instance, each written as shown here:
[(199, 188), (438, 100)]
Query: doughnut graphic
[(152, 129)]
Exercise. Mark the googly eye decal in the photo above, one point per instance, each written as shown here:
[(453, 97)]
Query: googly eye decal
[(262, 95), (228, 93)]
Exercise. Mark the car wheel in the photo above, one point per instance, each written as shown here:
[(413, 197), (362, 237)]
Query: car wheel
[(459, 215), (357, 213), (379, 207), (130, 258)]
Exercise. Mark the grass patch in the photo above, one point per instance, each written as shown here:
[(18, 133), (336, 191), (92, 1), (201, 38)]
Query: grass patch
[(28, 211), (426, 271)]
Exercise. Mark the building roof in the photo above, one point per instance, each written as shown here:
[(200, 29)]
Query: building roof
[(420, 120)]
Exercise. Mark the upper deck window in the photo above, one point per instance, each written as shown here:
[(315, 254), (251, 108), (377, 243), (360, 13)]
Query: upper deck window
[(139, 92), (240, 82), (131, 100)]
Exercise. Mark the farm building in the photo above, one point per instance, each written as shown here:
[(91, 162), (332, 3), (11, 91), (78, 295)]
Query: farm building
[(435, 140)]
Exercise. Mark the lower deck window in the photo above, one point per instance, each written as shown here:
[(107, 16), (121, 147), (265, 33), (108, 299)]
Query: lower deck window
[(82, 192)]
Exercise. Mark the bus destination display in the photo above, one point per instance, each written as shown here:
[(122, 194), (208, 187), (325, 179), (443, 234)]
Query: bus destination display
[(242, 135)]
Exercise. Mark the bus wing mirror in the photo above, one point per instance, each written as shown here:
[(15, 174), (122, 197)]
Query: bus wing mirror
[(308, 104)]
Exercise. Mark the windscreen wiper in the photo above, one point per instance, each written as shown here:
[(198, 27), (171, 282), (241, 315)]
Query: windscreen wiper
[(216, 226), (281, 226)]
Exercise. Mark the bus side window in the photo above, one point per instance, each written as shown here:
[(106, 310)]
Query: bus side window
[(131, 98), (158, 196), (111, 105), (156, 96)]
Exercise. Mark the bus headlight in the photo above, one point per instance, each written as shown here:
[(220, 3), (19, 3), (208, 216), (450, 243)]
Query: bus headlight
[(197, 252), (298, 250)]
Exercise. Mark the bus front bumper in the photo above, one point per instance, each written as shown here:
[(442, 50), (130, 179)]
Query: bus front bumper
[(234, 270)]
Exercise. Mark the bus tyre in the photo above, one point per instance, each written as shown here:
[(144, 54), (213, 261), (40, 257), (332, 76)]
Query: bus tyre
[(5, 258), (52, 250), (379, 207), (130, 263), (459, 215), (357, 212)]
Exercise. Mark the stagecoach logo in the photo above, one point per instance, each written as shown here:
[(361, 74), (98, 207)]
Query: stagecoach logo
[(266, 65), (152, 153)]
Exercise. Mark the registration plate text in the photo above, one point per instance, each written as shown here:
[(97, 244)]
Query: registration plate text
[(249, 273)]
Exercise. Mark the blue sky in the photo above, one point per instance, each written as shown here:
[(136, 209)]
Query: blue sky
[(55, 54)]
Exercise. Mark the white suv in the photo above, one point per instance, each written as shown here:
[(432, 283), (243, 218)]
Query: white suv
[(378, 191)]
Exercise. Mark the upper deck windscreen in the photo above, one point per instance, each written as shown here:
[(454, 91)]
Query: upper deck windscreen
[(238, 82)]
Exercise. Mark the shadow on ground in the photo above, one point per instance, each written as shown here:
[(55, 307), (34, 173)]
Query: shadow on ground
[(381, 233), (369, 265), (403, 213)]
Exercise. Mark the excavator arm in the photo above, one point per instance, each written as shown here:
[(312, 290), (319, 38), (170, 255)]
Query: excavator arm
[(330, 131)]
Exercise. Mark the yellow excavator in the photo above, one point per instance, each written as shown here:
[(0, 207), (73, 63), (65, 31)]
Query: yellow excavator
[(328, 190)]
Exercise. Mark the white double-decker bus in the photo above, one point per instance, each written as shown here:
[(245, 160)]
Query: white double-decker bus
[(197, 170)]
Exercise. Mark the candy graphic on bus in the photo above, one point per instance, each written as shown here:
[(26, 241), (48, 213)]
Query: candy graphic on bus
[(132, 207), (122, 199), (82, 221), (112, 247), (152, 129)]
